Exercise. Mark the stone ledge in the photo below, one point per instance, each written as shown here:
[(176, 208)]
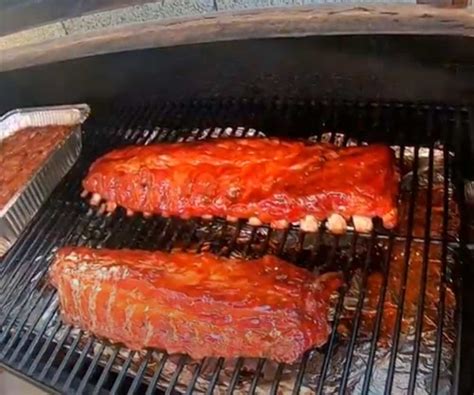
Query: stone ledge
[(159, 11)]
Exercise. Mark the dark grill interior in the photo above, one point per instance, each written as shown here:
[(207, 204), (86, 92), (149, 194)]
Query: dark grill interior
[(392, 330)]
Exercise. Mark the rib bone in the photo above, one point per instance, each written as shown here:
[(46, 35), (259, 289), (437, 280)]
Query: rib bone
[(95, 199), (362, 223), (254, 221), (279, 224), (336, 224), (309, 224)]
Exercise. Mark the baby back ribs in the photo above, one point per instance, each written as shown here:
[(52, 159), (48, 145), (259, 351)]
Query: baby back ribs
[(198, 304), (263, 180)]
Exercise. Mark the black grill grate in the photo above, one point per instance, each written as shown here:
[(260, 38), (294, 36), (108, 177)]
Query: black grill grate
[(370, 348)]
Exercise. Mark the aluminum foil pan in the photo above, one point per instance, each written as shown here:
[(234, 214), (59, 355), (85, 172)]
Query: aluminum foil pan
[(20, 209)]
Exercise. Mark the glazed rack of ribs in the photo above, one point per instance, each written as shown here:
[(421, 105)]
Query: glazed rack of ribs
[(394, 323), (264, 180), (198, 304)]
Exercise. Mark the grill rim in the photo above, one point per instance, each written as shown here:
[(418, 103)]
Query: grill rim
[(230, 25)]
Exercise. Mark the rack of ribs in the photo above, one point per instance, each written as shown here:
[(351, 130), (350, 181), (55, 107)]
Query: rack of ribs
[(265, 181), (199, 304)]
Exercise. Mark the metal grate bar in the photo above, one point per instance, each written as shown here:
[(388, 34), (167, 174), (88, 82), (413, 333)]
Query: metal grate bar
[(357, 318), (196, 373), (378, 319), (332, 338), (140, 373), (258, 371), (277, 379), (306, 356), (175, 377), (215, 375), (39, 315), (106, 371), (70, 352), (90, 370), (78, 364), (421, 299), (43, 349), (441, 308), (53, 355), (235, 376), (396, 332), (121, 376), (156, 375)]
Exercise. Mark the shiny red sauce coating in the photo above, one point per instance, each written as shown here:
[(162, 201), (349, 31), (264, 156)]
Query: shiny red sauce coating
[(270, 179), (199, 304)]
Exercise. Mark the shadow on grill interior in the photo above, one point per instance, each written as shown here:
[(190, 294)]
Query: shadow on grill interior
[(400, 323)]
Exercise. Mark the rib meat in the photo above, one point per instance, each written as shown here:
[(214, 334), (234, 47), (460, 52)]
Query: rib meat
[(264, 180), (198, 304)]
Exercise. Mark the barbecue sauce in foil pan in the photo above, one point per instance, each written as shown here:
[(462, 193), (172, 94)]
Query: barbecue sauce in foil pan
[(365, 314), (38, 146)]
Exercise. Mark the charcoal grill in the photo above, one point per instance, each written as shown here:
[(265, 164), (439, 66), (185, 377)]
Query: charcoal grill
[(402, 323), (360, 357)]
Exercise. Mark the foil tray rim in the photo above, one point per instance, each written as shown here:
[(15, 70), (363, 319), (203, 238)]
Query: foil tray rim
[(20, 118)]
